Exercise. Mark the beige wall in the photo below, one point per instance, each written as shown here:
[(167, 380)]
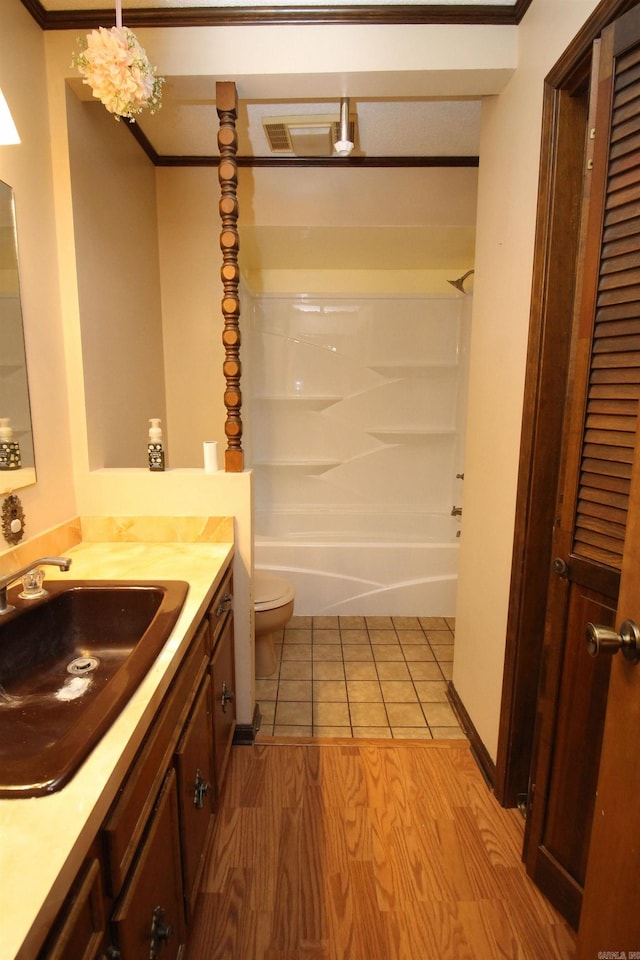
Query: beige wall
[(116, 236), (507, 189), (190, 259), (27, 168)]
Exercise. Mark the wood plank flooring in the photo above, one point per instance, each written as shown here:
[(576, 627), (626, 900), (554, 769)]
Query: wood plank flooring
[(368, 850)]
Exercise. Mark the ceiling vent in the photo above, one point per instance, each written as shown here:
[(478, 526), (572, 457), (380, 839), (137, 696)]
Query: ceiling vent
[(310, 136)]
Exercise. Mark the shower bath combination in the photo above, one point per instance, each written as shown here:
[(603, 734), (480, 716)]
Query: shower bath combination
[(358, 414)]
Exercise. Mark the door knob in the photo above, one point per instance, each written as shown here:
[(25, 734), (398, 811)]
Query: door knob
[(606, 640)]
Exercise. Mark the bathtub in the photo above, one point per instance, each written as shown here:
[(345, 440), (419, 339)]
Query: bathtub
[(348, 563)]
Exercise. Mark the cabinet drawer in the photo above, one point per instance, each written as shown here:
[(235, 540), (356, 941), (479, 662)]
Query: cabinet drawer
[(196, 792), (83, 927), (149, 920), (223, 698), (220, 607), (126, 823)]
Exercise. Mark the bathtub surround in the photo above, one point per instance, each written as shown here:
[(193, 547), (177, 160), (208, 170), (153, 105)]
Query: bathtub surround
[(354, 574), (357, 409)]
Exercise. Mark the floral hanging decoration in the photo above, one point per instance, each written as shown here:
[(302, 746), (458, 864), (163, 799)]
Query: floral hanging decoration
[(118, 71)]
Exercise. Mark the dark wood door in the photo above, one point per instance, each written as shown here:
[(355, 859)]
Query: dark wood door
[(610, 923), (593, 501)]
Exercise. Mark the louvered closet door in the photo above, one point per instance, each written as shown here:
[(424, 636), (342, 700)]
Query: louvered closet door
[(600, 432), (614, 376)]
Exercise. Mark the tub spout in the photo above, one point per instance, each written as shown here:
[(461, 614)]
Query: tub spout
[(456, 511)]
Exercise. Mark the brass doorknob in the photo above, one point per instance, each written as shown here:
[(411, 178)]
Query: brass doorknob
[(607, 640)]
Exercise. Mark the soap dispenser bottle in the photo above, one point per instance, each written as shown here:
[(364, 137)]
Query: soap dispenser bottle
[(9, 448), (155, 448)]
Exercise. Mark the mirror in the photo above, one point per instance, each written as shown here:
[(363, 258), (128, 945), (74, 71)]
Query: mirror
[(14, 387)]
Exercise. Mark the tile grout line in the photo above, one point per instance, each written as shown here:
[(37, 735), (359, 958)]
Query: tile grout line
[(397, 638)]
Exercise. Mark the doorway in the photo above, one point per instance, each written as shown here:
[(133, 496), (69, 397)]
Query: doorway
[(537, 720)]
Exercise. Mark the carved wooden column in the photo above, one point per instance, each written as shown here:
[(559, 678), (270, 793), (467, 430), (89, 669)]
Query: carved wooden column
[(227, 108)]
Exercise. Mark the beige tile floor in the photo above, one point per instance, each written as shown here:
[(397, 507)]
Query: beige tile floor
[(361, 677)]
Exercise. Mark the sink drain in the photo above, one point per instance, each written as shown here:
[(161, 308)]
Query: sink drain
[(83, 665)]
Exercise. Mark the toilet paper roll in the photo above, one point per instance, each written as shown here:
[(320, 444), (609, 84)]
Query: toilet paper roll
[(210, 450)]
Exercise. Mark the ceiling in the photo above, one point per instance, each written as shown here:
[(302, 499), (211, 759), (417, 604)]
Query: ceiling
[(383, 128), (428, 132)]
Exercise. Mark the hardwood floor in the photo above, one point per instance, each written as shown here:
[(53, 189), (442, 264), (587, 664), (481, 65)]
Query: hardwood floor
[(368, 850)]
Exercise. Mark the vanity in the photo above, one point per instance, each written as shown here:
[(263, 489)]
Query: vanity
[(109, 866)]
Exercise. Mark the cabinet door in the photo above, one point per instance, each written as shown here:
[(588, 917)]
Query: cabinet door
[(224, 706), (149, 921), (82, 934), (196, 791), (221, 605)]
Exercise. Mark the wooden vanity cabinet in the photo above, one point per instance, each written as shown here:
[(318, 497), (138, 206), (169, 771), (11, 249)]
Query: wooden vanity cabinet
[(224, 704), (136, 893), (149, 918), (128, 820), (196, 792), (222, 671), (83, 925)]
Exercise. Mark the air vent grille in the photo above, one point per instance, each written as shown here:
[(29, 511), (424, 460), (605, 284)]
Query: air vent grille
[(278, 137), (301, 135)]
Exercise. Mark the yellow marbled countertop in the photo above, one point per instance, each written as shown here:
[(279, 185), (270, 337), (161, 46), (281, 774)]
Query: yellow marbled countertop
[(43, 841)]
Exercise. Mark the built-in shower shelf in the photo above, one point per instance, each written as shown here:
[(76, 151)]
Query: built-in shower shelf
[(402, 434), (304, 466), (309, 402), (406, 371)]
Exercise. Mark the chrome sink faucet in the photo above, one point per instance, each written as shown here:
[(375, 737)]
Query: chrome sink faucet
[(5, 582)]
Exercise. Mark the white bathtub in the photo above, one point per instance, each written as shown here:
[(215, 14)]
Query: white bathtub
[(347, 562)]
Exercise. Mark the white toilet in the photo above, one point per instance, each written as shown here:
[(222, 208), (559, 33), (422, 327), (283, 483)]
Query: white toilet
[(273, 603)]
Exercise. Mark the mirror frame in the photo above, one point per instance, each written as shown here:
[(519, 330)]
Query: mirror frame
[(13, 365)]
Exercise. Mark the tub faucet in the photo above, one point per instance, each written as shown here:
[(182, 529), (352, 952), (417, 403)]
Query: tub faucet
[(5, 582), (456, 511)]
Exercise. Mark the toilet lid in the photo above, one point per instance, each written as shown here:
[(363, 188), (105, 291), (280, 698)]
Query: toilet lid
[(271, 591)]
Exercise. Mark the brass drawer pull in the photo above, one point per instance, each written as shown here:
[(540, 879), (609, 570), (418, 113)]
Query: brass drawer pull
[(224, 604), (201, 789), (227, 697)]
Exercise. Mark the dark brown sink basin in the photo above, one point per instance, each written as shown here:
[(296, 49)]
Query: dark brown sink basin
[(69, 663)]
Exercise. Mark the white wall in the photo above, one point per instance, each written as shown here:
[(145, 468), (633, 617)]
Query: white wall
[(507, 192)]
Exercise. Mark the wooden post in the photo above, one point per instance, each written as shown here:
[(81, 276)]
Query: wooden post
[(227, 108)]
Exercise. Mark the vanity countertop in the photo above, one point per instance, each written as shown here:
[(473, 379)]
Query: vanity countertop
[(44, 840)]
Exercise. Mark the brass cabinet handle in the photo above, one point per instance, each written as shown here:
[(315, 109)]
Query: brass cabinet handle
[(160, 932), (224, 604), (201, 789), (227, 697)]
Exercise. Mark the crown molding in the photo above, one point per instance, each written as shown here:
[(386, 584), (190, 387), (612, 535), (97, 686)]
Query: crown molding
[(392, 13)]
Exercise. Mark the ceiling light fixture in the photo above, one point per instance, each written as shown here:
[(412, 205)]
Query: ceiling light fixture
[(8, 132), (343, 146)]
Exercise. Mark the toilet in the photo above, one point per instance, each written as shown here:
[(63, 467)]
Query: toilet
[(273, 604)]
